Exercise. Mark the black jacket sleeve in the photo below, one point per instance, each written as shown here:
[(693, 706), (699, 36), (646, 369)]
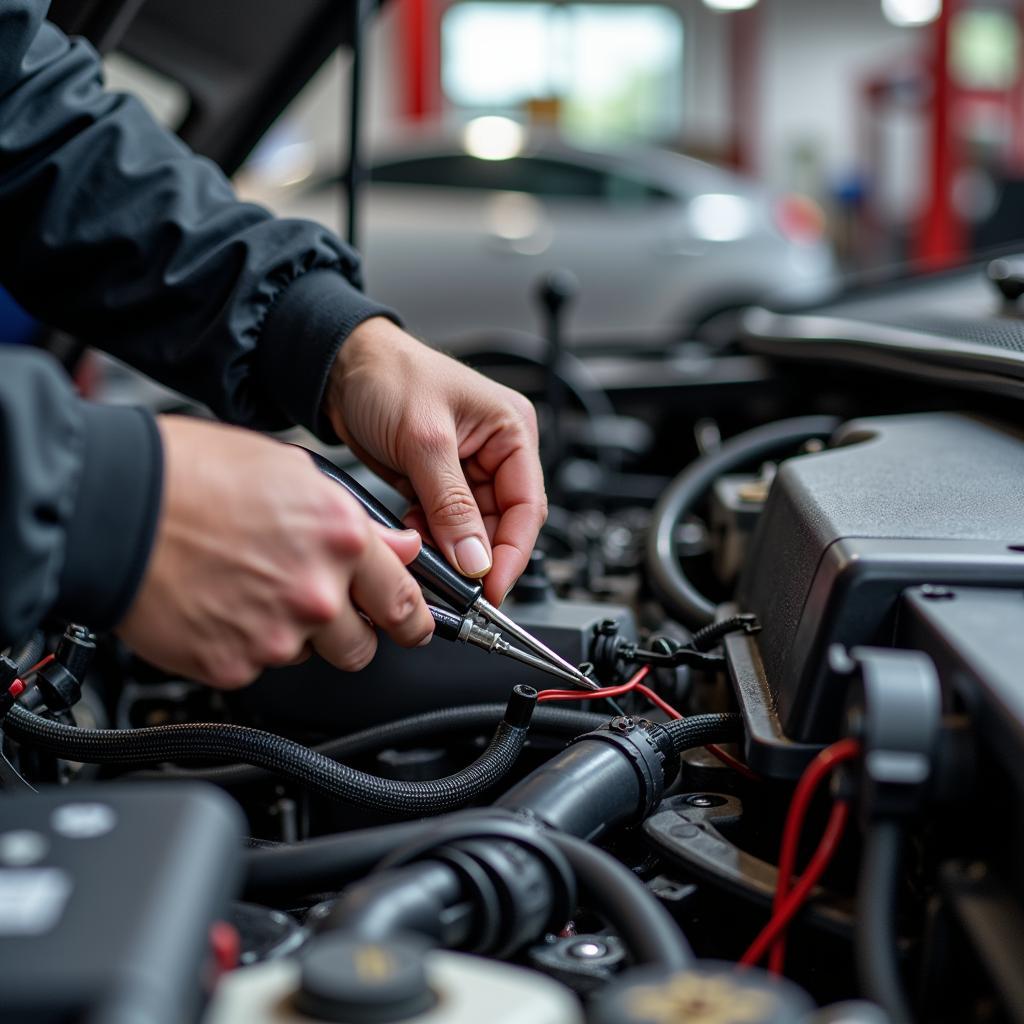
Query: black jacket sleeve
[(113, 230), (79, 499)]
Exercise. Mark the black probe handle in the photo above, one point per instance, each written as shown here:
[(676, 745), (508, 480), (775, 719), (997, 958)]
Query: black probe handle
[(447, 625), (429, 568)]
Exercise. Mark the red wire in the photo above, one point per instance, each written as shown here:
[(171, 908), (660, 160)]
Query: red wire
[(605, 691), (732, 762), (634, 684), (42, 663), (772, 933), (17, 688), (818, 770)]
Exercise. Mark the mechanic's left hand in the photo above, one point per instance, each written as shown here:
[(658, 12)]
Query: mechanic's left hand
[(461, 448)]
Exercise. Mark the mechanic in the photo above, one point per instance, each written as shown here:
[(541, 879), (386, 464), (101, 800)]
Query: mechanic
[(213, 550)]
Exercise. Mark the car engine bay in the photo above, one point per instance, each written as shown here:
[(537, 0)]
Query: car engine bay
[(798, 583)]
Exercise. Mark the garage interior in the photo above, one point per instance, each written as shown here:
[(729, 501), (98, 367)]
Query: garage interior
[(741, 741)]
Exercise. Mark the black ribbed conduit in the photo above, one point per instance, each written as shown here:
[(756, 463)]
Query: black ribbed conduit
[(29, 652), (699, 730), (686, 490), (415, 729), (221, 741)]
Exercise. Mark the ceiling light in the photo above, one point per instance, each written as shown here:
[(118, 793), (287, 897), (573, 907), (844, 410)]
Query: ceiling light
[(729, 5), (911, 12), (493, 138)]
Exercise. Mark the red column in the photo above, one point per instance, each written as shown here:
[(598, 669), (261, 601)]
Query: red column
[(744, 71), (1016, 103), (943, 237), (419, 51)]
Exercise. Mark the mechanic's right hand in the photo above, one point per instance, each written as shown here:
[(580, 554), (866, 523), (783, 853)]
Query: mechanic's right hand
[(258, 558)]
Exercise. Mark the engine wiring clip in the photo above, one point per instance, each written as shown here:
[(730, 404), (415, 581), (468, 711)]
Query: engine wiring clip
[(894, 709)]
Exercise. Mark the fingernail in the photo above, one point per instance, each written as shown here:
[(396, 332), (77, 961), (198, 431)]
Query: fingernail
[(426, 640), (472, 557), (409, 534)]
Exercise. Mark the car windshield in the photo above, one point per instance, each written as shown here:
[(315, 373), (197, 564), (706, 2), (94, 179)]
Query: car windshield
[(537, 176)]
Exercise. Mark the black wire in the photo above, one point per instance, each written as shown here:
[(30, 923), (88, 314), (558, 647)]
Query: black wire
[(875, 929)]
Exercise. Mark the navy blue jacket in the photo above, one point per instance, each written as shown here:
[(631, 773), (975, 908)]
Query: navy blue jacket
[(111, 229)]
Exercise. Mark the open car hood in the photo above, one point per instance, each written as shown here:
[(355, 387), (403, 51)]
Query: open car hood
[(240, 62)]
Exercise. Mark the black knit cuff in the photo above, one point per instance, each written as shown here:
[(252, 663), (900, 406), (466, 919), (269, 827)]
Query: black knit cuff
[(300, 340), (111, 531)]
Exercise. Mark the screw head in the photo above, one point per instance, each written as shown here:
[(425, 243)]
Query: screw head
[(704, 800), (587, 949)]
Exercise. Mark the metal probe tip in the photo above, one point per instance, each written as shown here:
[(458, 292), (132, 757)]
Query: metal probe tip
[(512, 628), (526, 658)]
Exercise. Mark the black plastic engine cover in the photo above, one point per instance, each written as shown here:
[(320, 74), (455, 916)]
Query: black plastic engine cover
[(895, 502)]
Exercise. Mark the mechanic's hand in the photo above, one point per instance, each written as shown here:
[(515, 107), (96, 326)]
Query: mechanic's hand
[(259, 557), (462, 448)]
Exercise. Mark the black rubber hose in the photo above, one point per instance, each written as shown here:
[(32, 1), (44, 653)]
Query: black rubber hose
[(686, 490), (605, 778), (285, 757), (411, 899), (328, 863), (647, 928), (322, 865), (416, 729), (875, 929)]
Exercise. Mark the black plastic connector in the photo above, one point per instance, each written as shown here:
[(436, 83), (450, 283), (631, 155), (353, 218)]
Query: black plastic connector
[(521, 704), (60, 683)]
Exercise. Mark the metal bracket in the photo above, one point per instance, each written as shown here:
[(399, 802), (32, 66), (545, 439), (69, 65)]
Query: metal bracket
[(684, 830)]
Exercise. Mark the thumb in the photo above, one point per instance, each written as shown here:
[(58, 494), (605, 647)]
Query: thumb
[(451, 511), (405, 543)]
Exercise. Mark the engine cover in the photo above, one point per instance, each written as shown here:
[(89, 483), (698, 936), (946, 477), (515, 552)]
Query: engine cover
[(894, 502)]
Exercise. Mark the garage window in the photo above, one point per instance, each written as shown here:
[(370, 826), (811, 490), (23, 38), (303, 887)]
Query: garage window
[(599, 70)]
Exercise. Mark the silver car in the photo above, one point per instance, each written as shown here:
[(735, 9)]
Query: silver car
[(456, 236)]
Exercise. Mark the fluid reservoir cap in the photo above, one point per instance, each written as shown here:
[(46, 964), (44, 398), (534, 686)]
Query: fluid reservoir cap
[(363, 982), (710, 992)]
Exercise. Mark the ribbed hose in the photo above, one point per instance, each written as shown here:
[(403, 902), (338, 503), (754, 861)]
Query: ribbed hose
[(284, 757), (699, 730), (679, 500), (415, 729), (707, 637), (29, 652), (875, 935)]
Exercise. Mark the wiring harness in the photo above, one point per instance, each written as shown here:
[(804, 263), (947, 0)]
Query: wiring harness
[(227, 742)]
